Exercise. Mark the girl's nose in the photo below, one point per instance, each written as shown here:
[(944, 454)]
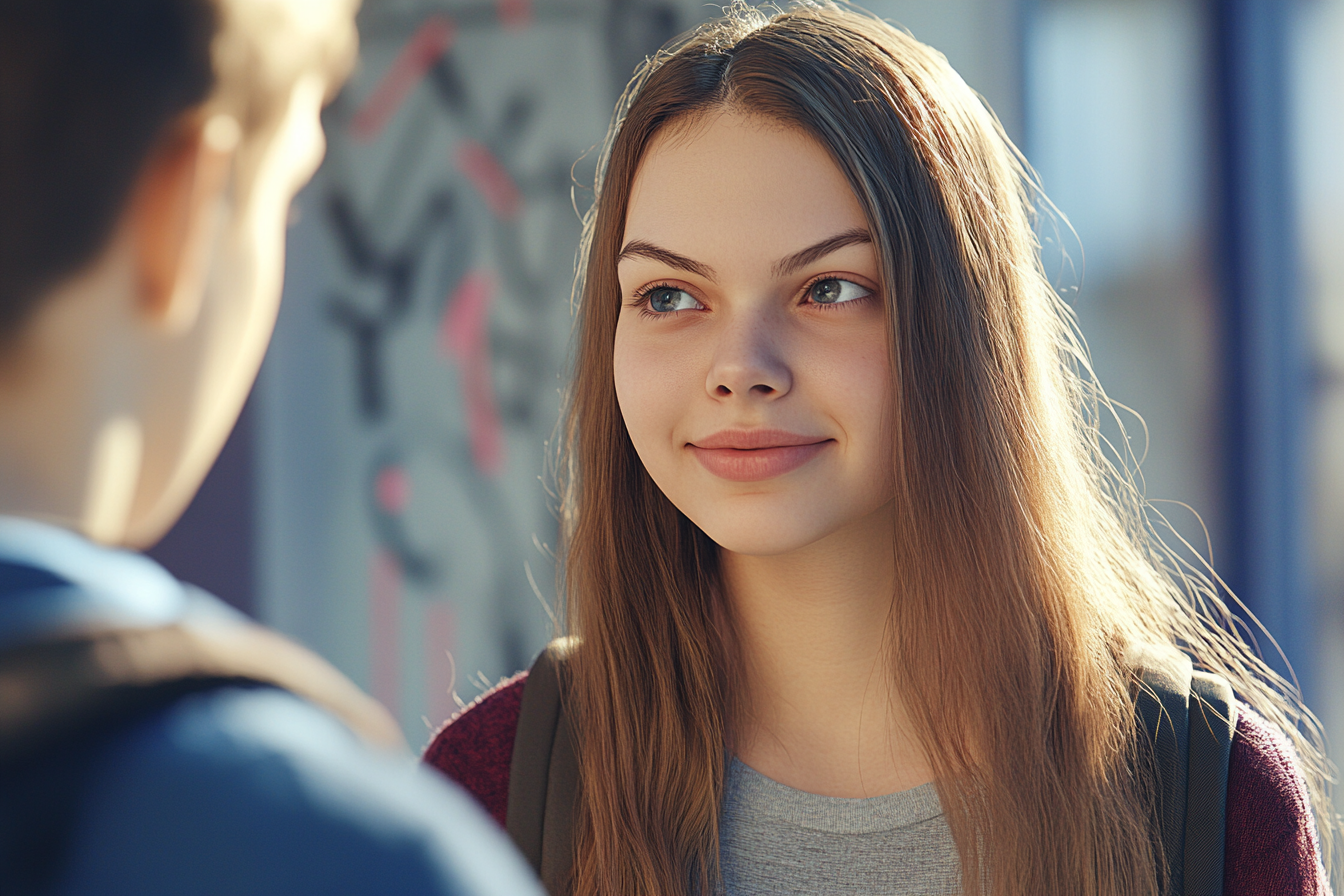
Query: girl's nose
[(748, 362)]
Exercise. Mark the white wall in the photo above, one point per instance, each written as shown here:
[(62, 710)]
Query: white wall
[(1117, 131)]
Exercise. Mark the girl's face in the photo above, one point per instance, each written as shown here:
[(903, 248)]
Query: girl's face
[(751, 353)]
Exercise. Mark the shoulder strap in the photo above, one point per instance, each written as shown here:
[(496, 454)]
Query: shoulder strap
[(54, 689), (1188, 718), (1162, 704), (1213, 722), (544, 773)]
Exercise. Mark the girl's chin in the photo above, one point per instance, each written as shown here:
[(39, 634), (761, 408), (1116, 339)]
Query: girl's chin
[(772, 527), (763, 539)]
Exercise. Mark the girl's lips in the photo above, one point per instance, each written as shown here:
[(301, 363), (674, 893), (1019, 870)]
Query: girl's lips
[(754, 464)]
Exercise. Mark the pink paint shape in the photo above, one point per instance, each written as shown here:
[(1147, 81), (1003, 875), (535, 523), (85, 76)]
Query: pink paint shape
[(464, 336), (440, 633), (418, 55), (514, 14), (488, 176), (463, 330), (385, 586), (392, 490)]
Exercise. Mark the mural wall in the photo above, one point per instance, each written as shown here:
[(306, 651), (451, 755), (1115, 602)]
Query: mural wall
[(414, 383)]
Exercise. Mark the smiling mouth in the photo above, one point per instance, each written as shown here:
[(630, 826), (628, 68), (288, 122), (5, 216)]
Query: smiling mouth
[(754, 455)]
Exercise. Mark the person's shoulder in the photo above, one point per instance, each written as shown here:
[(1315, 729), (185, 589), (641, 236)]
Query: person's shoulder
[(475, 747), (1271, 843), (254, 790)]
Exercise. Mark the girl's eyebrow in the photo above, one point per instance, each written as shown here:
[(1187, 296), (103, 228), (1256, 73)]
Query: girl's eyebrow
[(818, 251), (642, 249), (781, 268)]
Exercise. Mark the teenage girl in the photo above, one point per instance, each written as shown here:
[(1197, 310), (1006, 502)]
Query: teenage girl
[(857, 603)]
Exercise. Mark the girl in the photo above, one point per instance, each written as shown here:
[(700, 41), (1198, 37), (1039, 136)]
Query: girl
[(856, 600)]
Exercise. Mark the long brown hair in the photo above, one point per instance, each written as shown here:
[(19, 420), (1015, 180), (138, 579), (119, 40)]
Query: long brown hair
[(1026, 565)]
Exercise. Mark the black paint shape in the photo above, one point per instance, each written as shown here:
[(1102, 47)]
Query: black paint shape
[(396, 270)]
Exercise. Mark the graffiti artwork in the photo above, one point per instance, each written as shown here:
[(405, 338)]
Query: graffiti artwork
[(414, 383)]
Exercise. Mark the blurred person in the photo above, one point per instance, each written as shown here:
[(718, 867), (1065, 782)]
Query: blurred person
[(856, 601), (151, 740)]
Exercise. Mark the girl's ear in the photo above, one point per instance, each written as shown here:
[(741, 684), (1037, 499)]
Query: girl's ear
[(172, 215)]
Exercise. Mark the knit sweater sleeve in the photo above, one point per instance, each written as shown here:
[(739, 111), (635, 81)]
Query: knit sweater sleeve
[(1271, 843), (474, 747)]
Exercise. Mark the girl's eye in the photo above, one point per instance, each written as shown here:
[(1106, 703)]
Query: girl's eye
[(666, 298), (834, 292)]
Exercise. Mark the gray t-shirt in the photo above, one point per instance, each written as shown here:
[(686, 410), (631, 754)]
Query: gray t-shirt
[(776, 840)]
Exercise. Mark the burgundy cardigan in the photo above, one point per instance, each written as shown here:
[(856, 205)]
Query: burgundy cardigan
[(1271, 847)]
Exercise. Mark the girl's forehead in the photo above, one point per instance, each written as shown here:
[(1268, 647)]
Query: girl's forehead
[(730, 182)]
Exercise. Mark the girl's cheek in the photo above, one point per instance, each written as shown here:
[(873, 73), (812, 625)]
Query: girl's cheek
[(638, 389)]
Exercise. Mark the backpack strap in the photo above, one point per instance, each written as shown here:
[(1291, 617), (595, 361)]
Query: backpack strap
[(1162, 705), (1213, 722), (58, 688), (1188, 719), (544, 773)]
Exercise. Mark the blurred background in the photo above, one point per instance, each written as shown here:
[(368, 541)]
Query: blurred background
[(383, 499)]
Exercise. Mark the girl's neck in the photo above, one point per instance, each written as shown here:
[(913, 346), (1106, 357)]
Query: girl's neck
[(819, 709)]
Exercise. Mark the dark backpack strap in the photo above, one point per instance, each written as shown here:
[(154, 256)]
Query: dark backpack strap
[(56, 688), (1213, 722), (1188, 719), (1162, 704), (544, 774)]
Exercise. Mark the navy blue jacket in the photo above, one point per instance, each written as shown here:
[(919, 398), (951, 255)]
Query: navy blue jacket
[(231, 791)]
